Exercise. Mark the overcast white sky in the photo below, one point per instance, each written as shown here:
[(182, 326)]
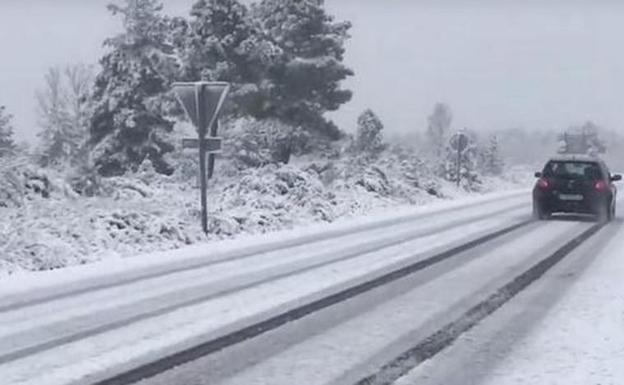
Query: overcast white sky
[(497, 64)]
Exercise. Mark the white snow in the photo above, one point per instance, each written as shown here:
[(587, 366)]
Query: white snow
[(216, 316), (565, 329), (581, 340), (397, 322), (223, 274), (17, 283), (48, 226)]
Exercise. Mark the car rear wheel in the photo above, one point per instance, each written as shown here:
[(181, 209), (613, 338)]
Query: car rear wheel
[(611, 212), (539, 213), (604, 212)]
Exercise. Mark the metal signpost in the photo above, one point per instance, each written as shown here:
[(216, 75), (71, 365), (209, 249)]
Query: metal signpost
[(202, 102), (459, 142)]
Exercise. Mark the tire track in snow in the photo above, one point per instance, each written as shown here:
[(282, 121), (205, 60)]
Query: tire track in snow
[(445, 336), (41, 296), (90, 327), (156, 367)]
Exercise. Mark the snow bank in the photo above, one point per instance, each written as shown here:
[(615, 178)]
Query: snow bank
[(45, 225)]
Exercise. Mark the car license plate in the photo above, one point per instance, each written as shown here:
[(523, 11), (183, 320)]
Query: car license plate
[(571, 197)]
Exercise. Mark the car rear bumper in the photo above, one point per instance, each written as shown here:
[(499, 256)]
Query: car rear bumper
[(552, 204)]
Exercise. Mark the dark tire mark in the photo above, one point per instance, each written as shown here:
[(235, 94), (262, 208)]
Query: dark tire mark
[(444, 337), (166, 363)]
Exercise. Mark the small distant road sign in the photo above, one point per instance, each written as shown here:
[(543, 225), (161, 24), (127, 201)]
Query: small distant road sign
[(212, 145), (459, 142), (202, 102)]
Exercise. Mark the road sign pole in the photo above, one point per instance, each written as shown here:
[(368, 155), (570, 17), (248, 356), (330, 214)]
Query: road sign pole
[(211, 156), (203, 182), (202, 102)]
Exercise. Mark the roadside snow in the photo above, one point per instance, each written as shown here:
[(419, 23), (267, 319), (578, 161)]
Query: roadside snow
[(581, 341), (564, 329), (44, 226), (225, 313), (23, 281)]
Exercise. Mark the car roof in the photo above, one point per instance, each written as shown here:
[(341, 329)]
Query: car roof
[(575, 158)]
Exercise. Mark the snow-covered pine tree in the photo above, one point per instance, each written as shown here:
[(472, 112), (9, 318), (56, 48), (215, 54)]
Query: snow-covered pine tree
[(128, 124), (369, 139), (581, 140), (7, 144), (221, 43), (305, 82), (438, 125), (491, 160), (593, 142), (469, 177), (63, 108)]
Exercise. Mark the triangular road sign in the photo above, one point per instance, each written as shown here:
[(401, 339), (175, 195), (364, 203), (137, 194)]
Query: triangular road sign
[(215, 94), (202, 101), (187, 95)]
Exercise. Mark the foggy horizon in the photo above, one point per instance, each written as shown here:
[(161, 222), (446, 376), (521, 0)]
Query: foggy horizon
[(497, 66)]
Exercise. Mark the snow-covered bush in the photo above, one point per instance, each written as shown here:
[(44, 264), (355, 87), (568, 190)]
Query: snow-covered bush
[(368, 139), (21, 181), (145, 211), (467, 175), (490, 158), (256, 143), (7, 143)]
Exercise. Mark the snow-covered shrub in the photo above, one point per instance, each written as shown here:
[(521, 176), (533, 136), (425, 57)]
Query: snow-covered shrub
[(468, 176), (490, 158), (438, 125), (21, 181), (368, 139), (7, 143), (256, 143), (145, 211), (12, 189)]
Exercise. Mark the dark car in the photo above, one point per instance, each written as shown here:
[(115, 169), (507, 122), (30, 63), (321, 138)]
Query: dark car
[(575, 184)]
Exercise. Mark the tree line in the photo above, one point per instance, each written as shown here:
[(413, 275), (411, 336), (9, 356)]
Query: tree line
[(284, 59)]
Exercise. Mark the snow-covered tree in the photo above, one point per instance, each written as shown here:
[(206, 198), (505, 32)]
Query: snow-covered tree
[(7, 144), (304, 82), (581, 140), (369, 139), (491, 160), (438, 125), (220, 42), (468, 161), (128, 124), (63, 106), (255, 143), (595, 145)]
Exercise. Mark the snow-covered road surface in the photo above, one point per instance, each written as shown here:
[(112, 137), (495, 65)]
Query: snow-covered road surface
[(565, 329), (102, 322)]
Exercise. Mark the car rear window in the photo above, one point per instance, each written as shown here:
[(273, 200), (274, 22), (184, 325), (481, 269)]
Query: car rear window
[(572, 170)]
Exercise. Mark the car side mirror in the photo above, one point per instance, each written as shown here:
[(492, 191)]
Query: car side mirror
[(538, 174), (616, 177)]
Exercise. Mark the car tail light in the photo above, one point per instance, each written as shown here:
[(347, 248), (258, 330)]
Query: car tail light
[(543, 184), (600, 186)]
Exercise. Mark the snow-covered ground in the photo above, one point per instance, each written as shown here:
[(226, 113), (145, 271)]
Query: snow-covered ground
[(46, 226), (44, 343), (565, 329), (581, 338), (57, 327)]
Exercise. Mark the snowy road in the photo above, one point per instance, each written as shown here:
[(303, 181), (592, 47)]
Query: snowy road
[(326, 306)]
